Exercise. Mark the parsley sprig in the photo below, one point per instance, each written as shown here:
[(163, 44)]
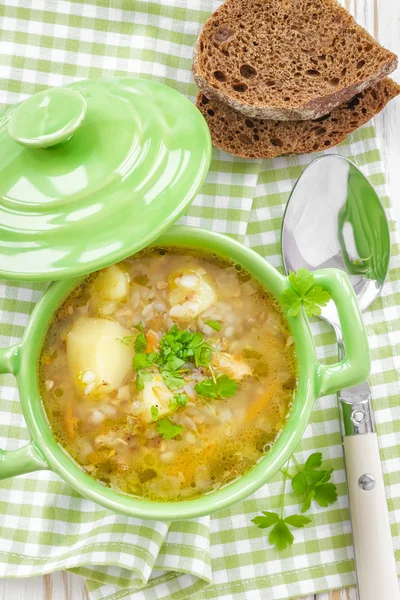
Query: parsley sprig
[(310, 482), (167, 429), (280, 535), (304, 292), (179, 400), (177, 348), (216, 325), (217, 388)]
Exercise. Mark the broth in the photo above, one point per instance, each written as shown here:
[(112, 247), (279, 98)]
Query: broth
[(168, 375)]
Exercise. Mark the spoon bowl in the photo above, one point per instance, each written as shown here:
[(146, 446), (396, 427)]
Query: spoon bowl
[(334, 219)]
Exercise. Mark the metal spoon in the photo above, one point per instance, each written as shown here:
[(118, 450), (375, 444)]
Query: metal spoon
[(334, 219)]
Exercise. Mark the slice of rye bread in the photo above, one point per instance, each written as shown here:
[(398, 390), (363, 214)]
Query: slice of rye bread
[(286, 59), (241, 136)]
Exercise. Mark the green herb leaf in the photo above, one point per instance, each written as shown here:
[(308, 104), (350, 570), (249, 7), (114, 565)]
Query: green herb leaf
[(202, 355), (315, 477), (280, 536), (142, 360), (173, 363), (326, 477), (226, 387), (140, 343), (291, 302), (314, 461), (297, 520), (196, 340), (269, 518), (172, 379), (167, 429), (179, 343), (314, 299), (206, 388), (301, 281), (311, 482), (140, 327), (307, 500), (325, 494), (177, 401), (304, 291), (154, 413), (141, 376), (318, 296), (222, 387), (214, 325), (299, 483)]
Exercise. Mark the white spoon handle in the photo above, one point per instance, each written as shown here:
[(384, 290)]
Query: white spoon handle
[(375, 561)]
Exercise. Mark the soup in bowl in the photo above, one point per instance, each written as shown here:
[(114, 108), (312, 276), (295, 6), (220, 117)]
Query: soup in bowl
[(171, 385), (168, 375)]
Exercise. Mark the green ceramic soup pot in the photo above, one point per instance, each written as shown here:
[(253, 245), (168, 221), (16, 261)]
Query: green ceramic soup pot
[(314, 380)]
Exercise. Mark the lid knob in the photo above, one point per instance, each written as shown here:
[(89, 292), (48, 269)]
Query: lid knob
[(47, 118)]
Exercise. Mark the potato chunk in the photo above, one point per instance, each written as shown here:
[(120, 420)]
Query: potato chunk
[(98, 360), (233, 366), (112, 283), (191, 294), (155, 393)]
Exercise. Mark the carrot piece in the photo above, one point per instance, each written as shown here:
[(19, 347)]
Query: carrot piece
[(152, 341)]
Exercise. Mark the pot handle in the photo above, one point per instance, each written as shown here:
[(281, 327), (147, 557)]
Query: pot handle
[(28, 458), (356, 364)]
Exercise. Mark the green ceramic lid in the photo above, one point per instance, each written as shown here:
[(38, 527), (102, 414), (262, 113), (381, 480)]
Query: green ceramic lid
[(93, 172)]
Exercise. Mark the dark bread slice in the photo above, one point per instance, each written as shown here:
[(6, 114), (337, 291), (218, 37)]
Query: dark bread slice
[(241, 136), (286, 59)]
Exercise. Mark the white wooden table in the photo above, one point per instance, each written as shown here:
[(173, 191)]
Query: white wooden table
[(382, 19)]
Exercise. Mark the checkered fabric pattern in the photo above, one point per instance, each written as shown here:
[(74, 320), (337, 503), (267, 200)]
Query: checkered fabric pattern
[(45, 525)]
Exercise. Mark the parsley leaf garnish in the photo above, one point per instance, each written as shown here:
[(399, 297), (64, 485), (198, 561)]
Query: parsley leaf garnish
[(304, 291), (177, 401), (167, 429), (172, 379), (142, 360), (301, 281), (214, 324), (206, 388), (226, 387), (311, 482), (140, 327), (280, 536), (222, 387), (314, 299), (202, 355), (140, 343), (173, 363), (177, 347), (180, 343), (154, 413), (141, 376)]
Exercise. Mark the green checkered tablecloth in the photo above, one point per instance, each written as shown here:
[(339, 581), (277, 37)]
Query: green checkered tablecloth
[(46, 526)]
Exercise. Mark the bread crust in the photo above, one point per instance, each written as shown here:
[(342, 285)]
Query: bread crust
[(263, 138), (297, 109)]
